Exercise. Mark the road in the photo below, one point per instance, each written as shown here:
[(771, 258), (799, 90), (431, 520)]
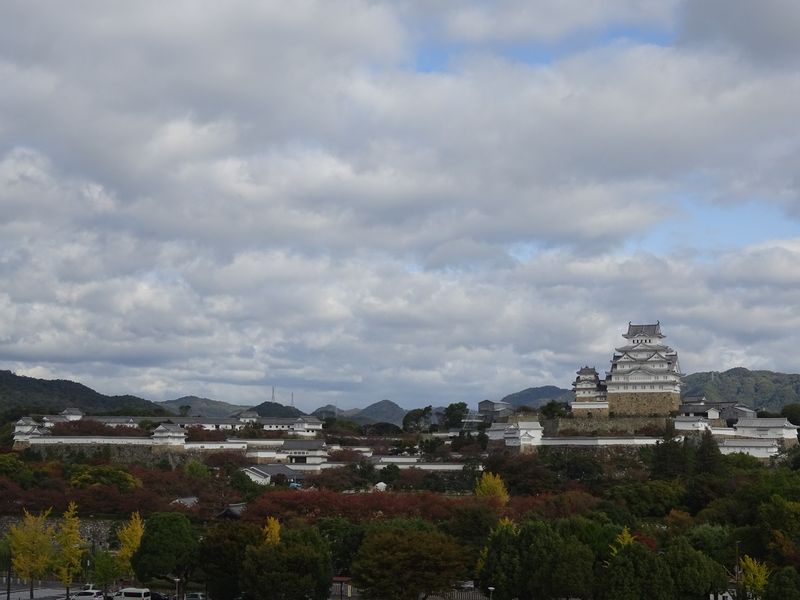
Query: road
[(22, 592)]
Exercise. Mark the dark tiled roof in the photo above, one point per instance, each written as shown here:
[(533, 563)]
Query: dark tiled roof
[(303, 444), (654, 330)]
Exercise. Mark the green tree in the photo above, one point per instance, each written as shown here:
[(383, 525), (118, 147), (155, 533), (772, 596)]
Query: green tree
[(5, 559), (296, 568), (708, 458), (194, 469), (418, 419), (634, 573), (500, 563), (344, 539), (792, 412), (31, 543), (404, 564), (69, 547), (13, 468), (168, 548), (223, 550), (694, 574), (783, 585), (554, 567), (105, 569), (492, 486), (454, 414), (670, 459)]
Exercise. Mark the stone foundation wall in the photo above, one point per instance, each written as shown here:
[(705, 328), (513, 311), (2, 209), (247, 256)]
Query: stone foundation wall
[(150, 456), (643, 404), (606, 426), (589, 413)]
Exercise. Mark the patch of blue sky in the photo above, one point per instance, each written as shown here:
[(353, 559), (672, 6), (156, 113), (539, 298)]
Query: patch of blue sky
[(436, 55), (706, 230)]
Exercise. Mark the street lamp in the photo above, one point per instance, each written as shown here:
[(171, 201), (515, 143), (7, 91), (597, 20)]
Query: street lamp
[(491, 592), (177, 580)]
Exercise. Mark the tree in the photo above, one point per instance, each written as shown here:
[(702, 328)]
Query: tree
[(754, 575), (404, 564), (708, 458), (168, 548), (343, 538), (783, 585), (184, 410), (5, 561), (500, 564), (272, 532), (105, 569), (694, 574), (130, 537), (418, 419), (223, 550), (634, 573), (454, 414), (69, 547), (32, 546), (296, 568), (554, 567), (194, 469), (492, 486)]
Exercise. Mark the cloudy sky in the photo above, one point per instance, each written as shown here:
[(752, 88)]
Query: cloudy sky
[(427, 201)]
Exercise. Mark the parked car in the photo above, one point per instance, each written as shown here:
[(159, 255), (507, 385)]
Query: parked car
[(158, 596), (88, 595), (195, 596)]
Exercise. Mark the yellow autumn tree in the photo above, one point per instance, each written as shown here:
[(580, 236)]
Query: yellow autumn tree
[(272, 531), (491, 485), (129, 536), (624, 538), (754, 576), (69, 547), (32, 546)]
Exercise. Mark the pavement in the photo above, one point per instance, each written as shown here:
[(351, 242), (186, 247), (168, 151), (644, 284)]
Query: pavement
[(22, 592)]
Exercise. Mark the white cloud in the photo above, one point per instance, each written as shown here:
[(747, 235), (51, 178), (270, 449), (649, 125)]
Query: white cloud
[(215, 199)]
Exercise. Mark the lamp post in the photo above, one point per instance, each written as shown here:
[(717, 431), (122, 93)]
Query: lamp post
[(177, 580), (491, 592)]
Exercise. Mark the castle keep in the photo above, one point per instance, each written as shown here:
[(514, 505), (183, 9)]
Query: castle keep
[(644, 379)]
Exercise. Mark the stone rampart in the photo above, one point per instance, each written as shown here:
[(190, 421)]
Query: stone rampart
[(606, 426), (643, 404)]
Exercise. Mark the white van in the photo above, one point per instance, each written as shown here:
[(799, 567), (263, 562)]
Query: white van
[(133, 594)]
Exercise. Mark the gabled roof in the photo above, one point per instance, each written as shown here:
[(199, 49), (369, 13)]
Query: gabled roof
[(72, 411), (653, 330)]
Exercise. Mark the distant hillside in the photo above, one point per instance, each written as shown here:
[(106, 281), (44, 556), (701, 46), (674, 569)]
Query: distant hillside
[(274, 409), (761, 390), (54, 395), (204, 407), (330, 411), (384, 411), (538, 396)]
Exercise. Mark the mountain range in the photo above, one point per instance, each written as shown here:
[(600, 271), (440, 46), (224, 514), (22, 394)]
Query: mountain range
[(761, 390)]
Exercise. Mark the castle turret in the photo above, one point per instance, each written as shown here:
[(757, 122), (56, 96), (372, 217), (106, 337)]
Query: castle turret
[(590, 394), (645, 376)]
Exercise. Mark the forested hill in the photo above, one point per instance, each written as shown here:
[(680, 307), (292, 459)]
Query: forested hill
[(52, 396), (761, 390)]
